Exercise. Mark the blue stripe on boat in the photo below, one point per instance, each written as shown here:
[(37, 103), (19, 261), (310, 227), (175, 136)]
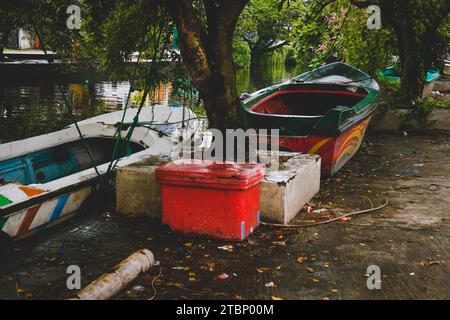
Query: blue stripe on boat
[(58, 208)]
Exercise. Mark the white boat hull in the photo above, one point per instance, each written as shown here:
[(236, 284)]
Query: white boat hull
[(35, 207)]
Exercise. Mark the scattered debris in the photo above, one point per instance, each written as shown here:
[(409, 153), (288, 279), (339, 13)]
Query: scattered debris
[(138, 288), (227, 247), (430, 263), (409, 171), (178, 268), (223, 276), (110, 284), (321, 210)]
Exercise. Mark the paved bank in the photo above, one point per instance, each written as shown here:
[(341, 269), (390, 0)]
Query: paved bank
[(409, 241)]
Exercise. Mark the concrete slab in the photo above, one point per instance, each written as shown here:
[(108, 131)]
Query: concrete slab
[(137, 192), (285, 191), (392, 121)]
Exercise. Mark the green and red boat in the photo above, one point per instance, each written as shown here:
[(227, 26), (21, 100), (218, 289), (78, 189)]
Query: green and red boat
[(325, 111)]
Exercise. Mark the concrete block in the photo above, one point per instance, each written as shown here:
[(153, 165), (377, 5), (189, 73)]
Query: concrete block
[(391, 121), (285, 191), (442, 86), (137, 191)]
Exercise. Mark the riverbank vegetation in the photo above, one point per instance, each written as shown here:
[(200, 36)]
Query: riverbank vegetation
[(215, 38)]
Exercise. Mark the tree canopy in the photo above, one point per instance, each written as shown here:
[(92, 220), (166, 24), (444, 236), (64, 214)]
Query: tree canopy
[(210, 31)]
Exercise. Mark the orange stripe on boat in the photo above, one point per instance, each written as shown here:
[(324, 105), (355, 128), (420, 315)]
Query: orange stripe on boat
[(318, 145), (357, 134), (31, 192), (350, 151), (26, 222)]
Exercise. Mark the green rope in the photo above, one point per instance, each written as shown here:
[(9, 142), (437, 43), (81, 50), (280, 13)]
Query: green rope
[(125, 143), (121, 146)]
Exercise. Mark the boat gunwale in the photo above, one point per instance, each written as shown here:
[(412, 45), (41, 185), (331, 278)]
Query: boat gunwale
[(286, 91)]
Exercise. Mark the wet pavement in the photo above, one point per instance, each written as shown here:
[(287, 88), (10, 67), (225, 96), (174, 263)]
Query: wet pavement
[(409, 240)]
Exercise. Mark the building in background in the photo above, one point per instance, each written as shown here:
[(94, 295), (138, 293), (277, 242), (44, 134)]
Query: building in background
[(23, 39)]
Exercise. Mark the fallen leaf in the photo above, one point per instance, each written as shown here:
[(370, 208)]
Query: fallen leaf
[(270, 285), (301, 259), (276, 298), (311, 270)]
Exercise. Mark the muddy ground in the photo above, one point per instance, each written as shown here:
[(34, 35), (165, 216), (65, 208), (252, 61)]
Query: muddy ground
[(408, 240)]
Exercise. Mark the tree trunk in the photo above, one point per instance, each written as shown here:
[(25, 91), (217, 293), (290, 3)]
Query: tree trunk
[(415, 24), (412, 65), (207, 52)]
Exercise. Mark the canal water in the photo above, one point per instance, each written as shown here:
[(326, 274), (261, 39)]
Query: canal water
[(32, 108)]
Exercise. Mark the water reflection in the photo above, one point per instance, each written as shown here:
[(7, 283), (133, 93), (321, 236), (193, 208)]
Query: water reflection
[(32, 109), (35, 109), (267, 72)]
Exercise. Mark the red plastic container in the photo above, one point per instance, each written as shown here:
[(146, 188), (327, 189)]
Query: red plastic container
[(217, 200)]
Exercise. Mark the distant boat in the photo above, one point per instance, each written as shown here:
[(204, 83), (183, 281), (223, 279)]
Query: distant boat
[(393, 77), (46, 179), (325, 111)]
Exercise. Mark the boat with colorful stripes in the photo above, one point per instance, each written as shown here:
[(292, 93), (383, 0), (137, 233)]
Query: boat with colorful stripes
[(46, 179), (325, 111)]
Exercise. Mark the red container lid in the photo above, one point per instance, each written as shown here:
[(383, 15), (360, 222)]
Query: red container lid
[(210, 174)]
